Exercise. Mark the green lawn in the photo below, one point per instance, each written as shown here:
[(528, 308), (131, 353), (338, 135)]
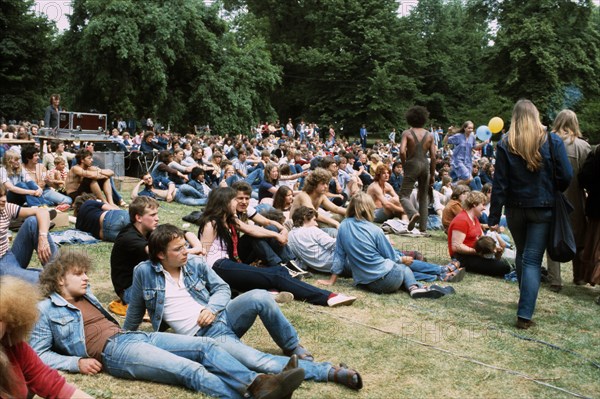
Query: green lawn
[(463, 346)]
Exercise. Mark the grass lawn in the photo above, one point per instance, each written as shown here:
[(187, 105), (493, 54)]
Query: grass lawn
[(462, 346)]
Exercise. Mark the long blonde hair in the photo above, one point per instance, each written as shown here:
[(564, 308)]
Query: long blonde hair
[(566, 125), (9, 156), (361, 207), (527, 134)]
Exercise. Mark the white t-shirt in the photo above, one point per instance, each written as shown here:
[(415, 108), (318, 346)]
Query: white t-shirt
[(181, 310)]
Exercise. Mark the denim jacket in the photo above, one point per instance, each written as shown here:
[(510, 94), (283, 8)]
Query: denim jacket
[(58, 336), (148, 291), (517, 187)]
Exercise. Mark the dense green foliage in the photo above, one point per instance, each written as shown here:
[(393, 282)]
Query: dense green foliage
[(26, 47), (342, 62)]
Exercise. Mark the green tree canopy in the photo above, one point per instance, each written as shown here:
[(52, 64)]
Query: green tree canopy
[(176, 61), (26, 47)]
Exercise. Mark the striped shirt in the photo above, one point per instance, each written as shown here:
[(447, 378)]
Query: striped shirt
[(10, 211)]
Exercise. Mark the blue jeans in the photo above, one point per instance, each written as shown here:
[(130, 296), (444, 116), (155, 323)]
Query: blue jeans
[(114, 222), (188, 195), (529, 228), (398, 276), (16, 260), (269, 250), (242, 311), (53, 197), (20, 199), (193, 362), (223, 334), (115, 194), (424, 271), (243, 277)]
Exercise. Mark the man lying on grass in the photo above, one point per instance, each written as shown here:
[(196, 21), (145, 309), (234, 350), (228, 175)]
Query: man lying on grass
[(187, 295), (75, 333)]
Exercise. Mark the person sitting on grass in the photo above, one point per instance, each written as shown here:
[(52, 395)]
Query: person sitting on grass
[(184, 194), (21, 189), (387, 202), (193, 300), (86, 178), (454, 206), (265, 239), (219, 227), (463, 233), (23, 373), (89, 340), (103, 221), (313, 195), (32, 235), (374, 264)]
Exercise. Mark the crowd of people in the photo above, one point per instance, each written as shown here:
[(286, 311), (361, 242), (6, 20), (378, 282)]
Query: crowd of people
[(272, 209)]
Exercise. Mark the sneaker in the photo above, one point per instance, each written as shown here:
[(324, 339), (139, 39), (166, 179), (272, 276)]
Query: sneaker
[(63, 207), (282, 297), (340, 300), (426, 292), (446, 290)]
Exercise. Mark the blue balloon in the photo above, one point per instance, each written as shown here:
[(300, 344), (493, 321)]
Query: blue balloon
[(483, 133)]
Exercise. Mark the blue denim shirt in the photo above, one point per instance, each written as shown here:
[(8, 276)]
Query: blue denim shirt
[(58, 336), (365, 248), (516, 186), (148, 291)]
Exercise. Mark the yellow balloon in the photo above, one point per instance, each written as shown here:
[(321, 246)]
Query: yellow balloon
[(496, 124)]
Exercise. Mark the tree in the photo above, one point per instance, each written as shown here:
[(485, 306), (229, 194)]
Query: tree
[(176, 61), (546, 51), (454, 38), (27, 44), (343, 62)]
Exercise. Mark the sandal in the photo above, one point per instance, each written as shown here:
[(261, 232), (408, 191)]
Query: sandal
[(346, 376)]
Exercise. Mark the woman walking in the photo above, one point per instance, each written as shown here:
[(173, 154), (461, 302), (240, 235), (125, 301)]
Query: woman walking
[(524, 184)]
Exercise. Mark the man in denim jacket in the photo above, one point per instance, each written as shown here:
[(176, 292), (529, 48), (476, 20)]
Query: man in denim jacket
[(76, 334), (193, 300)]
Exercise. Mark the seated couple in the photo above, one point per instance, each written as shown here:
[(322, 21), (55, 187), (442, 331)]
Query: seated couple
[(316, 249), (204, 355), (375, 265)]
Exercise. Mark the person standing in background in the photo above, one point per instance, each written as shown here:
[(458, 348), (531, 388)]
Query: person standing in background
[(51, 116), (566, 126)]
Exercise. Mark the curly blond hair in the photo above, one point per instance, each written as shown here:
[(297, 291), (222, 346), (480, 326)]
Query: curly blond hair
[(18, 310), (69, 260)]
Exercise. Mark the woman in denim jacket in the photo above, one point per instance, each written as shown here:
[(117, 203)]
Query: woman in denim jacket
[(523, 183)]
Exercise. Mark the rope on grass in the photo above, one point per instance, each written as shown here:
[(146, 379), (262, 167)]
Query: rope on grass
[(551, 345), (464, 357), (524, 338)]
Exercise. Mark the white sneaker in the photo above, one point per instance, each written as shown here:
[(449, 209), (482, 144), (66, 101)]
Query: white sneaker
[(282, 297), (340, 300)]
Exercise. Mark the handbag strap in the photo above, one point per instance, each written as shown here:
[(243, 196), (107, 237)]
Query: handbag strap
[(553, 161)]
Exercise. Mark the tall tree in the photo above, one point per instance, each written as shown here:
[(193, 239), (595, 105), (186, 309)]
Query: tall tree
[(173, 60), (454, 40), (547, 51), (344, 61), (26, 45)]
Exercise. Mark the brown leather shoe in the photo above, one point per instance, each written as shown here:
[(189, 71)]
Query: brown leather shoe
[(524, 324), (278, 386), (292, 363)]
